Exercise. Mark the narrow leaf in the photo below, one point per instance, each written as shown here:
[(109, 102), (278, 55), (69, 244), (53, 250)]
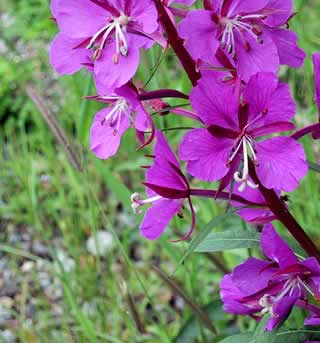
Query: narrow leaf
[(228, 240), (314, 166), (283, 336), (175, 287), (197, 240), (242, 338)]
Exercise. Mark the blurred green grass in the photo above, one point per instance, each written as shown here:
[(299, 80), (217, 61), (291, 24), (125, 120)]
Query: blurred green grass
[(42, 191)]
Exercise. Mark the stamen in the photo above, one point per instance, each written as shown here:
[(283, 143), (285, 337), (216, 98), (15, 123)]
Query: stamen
[(268, 301), (137, 202), (119, 26), (241, 24), (114, 117)]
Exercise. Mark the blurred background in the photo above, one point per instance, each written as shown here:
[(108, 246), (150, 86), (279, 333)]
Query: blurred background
[(73, 267)]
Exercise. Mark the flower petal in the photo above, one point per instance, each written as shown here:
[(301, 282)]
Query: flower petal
[(161, 173), (275, 248), (253, 57), (316, 66), (158, 217), (288, 50), (281, 163), (278, 12), (258, 93), (206, 155), (199, 32), (230, 295), (245, 6), (145, 14), (103, 141), (215, 109), (162, 149), (252, 275), (282, 106), (110, 75), (80, 18), (64, 58), (281, 311)]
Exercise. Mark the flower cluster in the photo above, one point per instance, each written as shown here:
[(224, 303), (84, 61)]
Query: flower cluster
[(243, 138), (272, 286)]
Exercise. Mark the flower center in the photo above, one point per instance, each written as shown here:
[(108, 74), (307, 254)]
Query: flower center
[(118, 26), (137, 202), (268, 301), (114, 117), (240, 24), (246, 143)]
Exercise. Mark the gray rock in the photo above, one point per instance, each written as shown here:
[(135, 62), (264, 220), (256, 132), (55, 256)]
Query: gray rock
[(100, 243), (7, 336)]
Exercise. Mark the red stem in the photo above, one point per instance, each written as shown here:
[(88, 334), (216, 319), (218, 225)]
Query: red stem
[(204, 193), (162, 93), (177, 44), (306, 131), (280, 210)]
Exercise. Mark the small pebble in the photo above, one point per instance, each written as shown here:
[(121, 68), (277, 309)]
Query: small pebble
[(27, 266), (100, 243), (7, 336)]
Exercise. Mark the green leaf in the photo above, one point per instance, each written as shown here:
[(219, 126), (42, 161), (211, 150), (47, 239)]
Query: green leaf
[(228, 240), (113, 182), (197, 240), (283, 336), (242, 338), (314, 166)]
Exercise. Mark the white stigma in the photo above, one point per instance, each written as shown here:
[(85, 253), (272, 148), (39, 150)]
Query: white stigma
[(243, 177), (118, 26), (137, 202)]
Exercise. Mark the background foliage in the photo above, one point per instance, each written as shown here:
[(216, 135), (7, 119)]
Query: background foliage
[(124, 295)]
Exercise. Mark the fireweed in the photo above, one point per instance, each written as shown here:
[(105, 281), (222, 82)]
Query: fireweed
[(243, 135)]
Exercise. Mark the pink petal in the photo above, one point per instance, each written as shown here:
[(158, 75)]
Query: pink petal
[(158, 217), (288, 50), (276, 248), (255, 57), (208, 99), (80, 18), (281, 163), (206, 155), (199, 32), (64, 58), (104, 143)]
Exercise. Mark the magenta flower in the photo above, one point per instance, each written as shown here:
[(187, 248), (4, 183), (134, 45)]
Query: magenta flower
[(249, 31), (167, 189), (112, 122), (253, 215), (112, 31), (234, 132), (316, 64), (313, 319), (272, 286)]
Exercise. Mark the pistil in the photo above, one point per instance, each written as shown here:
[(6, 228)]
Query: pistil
[(137, 202), (243, 177)]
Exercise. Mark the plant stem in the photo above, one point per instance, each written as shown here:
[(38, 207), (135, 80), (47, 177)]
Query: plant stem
[(280, 210), (177, 44), (204, 193), (314, 128), (162, 93)]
